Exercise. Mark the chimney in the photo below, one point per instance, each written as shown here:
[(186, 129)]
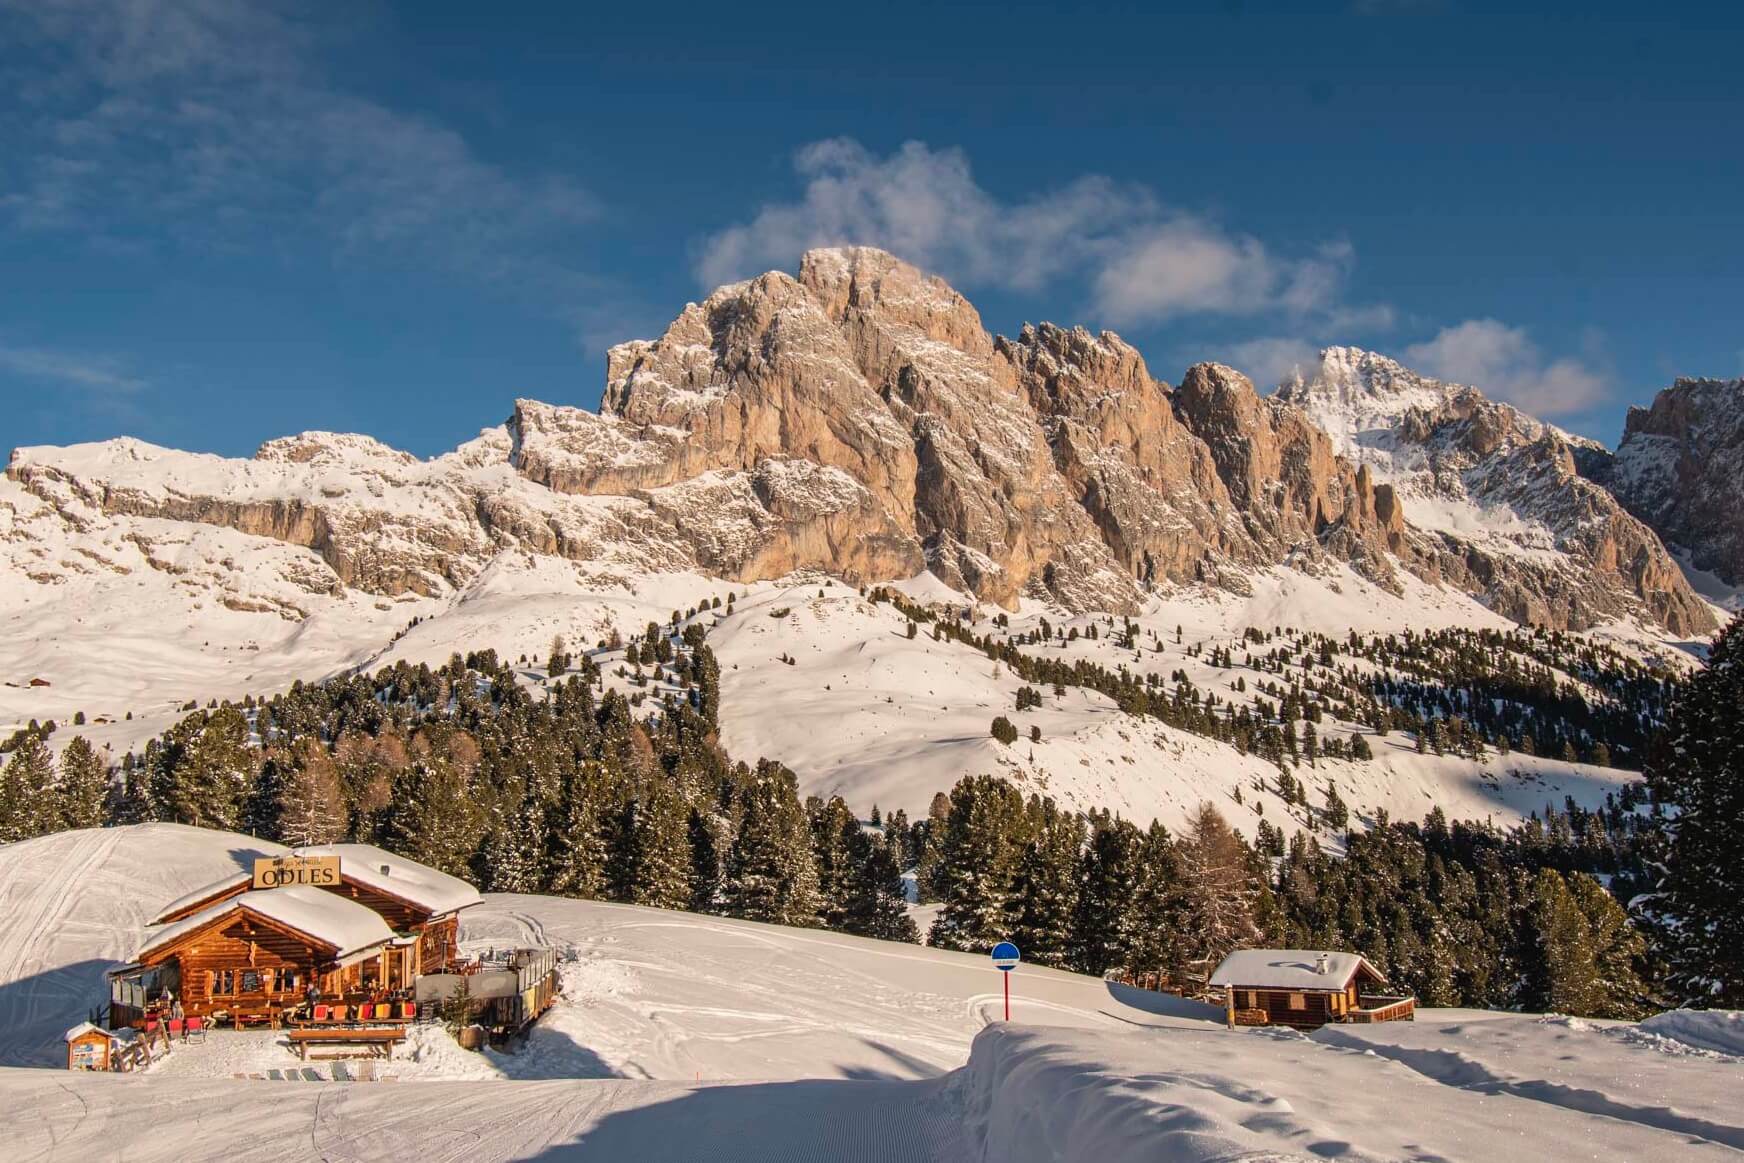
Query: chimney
[(1320, 963)]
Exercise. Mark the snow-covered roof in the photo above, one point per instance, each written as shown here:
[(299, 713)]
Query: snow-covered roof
[(327, 917), (235, 880), (1290, 969), (86, 1028), (361, 864), (414, 883)]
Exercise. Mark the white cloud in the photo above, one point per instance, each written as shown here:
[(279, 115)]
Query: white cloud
[(95, 373), (208, 124), (1142, 260), (1268, 360), (924, 205), (1505, 363)]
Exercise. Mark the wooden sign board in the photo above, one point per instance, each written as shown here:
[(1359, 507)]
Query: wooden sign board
[(89, 1051), (284, 871)]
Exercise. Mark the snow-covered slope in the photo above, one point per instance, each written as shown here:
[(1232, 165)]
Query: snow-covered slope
[(682, 1037), (861, 710), (879, 718)]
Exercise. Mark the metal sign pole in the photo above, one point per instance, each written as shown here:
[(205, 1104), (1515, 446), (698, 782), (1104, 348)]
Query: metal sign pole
[(1005, 959)]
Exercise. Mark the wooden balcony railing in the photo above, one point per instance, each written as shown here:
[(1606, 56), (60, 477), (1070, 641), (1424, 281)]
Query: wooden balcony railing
[(1383, 1009)]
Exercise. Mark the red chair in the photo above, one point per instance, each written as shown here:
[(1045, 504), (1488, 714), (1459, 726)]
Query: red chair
[(177, 1025), (320, 1013), (409, 1011), (196, 1030)]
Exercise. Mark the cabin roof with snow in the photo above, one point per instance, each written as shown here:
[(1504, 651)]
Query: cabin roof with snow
[(322, 917), (414, 883), (1297, 970), (363, 865)]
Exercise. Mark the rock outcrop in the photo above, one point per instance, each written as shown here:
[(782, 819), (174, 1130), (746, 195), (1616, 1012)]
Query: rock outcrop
[(1680, 469), (858, 418)]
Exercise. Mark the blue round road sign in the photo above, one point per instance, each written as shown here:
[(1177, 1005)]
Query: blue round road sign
[(1005, 956)]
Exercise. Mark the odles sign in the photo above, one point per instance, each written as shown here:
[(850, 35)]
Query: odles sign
[(283, 871)]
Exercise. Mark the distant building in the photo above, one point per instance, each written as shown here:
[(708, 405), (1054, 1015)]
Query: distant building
[(1305, 988)]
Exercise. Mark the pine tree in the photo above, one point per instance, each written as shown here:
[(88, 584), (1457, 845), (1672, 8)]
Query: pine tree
[(1618, 951), (927, 846), (1105, 923), (82, 794), (832, 827), (979, 853), (770, 872), (653, 867), (706, 846), (1046, 889), (203, 772), (1562, 973), (1697, 772), (27, 800), (578, 841), (435, 819), (513, 858), (874, 903), (1159, 907)]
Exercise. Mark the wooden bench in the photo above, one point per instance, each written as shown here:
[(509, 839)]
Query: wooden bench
[(374, 1043)]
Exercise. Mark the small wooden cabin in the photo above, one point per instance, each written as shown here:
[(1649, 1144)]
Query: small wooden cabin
[(421, 905), (253, 955), (1306, 989)]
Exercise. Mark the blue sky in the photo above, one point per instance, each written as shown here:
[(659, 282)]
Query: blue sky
[(225, 222)]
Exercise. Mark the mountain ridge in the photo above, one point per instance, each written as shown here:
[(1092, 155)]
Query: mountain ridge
[(857, 418)]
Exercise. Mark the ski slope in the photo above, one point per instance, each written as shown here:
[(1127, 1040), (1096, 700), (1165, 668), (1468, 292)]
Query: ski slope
[(682, 1037)]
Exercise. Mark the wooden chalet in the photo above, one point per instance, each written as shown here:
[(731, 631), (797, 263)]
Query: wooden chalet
[(358, 924), (421, 905), (1306, 989), (254, 955)]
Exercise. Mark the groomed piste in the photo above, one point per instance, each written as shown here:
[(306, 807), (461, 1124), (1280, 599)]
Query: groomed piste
[(690, 1037)]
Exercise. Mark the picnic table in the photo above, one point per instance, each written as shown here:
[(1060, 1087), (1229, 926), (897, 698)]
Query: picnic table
[(374, 1043)]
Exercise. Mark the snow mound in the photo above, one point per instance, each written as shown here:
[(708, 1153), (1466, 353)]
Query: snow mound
[(1718, 1031)]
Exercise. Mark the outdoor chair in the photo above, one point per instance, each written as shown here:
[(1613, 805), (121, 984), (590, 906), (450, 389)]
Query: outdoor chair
[(320, 1013), (177, 1025), (196, 1030)]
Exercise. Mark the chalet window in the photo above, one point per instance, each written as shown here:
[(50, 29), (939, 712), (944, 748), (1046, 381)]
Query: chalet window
[(1247, 998), (223, 982), (251, 981), (287, 980), (1298, 1002)]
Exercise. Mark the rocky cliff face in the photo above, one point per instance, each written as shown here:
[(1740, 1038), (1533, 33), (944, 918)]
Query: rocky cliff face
[(1680, 469), (858, 418), (1496, 503)]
